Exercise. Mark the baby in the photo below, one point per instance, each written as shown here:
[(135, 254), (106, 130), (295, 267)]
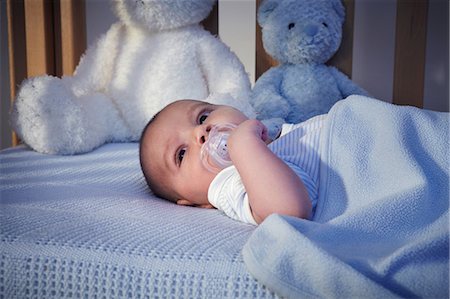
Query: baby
[(266, 177)]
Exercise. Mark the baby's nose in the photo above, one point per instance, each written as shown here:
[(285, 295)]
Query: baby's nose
[(202, 133)]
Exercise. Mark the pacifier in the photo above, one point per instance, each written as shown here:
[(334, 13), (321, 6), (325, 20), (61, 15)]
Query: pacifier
[(214, 152)]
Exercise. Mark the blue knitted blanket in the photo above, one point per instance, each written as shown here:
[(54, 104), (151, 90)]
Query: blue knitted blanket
[(86, 226)]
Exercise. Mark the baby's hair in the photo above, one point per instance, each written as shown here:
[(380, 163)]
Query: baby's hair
[(154, 185)]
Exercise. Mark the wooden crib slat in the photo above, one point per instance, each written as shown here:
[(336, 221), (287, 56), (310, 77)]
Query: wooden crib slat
[(263, 60), (343, 59), (39, 37), (16, 43), (16, 49), (52, 36), (211, 23), (70, 34), (410, 46)]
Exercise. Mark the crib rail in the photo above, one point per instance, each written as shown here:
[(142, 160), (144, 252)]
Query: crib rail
[(48, 37), (409, 70)]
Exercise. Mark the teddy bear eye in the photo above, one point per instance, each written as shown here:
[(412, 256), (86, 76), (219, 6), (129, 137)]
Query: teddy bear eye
[(291, 25), (325, 24)]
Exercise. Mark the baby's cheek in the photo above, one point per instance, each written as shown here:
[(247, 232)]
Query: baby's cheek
[(235, 116)]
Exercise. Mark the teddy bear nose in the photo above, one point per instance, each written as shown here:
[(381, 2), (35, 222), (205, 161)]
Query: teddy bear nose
[(311, 30), (291, 25)]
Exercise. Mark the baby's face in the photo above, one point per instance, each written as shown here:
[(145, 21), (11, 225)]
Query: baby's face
[(173, 144)]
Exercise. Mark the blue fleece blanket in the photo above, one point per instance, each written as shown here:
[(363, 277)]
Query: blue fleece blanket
[(381, 225)]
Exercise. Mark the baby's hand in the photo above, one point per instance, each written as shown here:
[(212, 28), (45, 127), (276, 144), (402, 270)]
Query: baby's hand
[(249, 131)]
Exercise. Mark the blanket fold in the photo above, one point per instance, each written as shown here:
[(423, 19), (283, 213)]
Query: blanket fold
[(381, 224)]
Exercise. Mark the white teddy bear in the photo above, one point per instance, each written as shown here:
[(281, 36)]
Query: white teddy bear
[(155, 54)]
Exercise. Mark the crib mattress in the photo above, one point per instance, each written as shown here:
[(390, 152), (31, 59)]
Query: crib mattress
[(87, 226)]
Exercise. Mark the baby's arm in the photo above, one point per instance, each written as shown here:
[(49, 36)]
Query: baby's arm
[(272, 186)]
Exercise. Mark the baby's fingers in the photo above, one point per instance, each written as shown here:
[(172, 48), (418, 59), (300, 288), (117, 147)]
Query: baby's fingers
[(257, 128)]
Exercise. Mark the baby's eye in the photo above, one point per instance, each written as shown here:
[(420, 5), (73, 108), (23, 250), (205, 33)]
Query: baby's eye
[(180, 155), (203, 116)]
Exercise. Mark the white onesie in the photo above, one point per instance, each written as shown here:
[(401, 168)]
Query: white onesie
[(298, 147)]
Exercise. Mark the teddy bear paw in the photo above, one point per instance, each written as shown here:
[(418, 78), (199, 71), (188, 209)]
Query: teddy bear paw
[(273, 107), (274, 126), (47, 116)]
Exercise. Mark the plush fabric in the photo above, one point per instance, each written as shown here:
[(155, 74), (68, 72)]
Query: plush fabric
[(301, 35), (155, 54), (86, 226), (381, 225)]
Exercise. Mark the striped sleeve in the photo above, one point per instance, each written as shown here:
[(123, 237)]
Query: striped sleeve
[(298, 146)]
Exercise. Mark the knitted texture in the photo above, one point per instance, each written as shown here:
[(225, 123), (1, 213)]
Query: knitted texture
[(86, 226)]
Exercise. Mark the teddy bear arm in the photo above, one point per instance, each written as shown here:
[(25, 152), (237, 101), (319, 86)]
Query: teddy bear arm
[(96, 67), (267, 97), (270, 80), (223, 71), (346, 86)]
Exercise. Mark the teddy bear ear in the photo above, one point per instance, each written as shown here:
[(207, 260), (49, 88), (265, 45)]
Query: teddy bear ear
[(265, 9), (339, 8)]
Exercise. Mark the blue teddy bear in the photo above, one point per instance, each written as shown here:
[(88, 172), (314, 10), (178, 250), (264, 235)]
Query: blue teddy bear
[(301, 35)]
